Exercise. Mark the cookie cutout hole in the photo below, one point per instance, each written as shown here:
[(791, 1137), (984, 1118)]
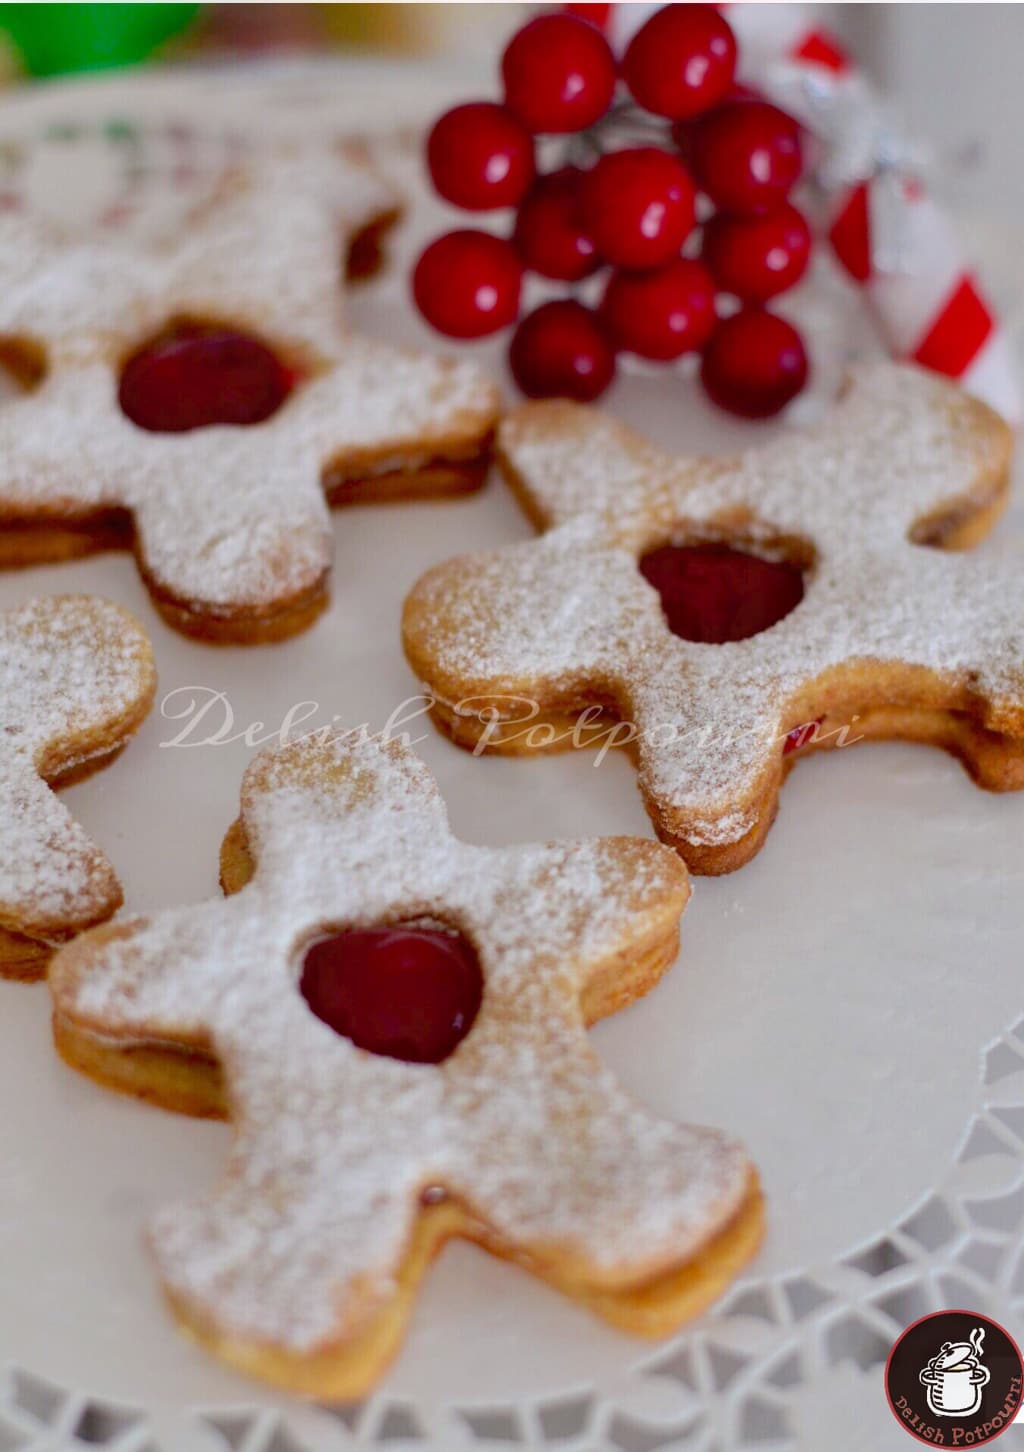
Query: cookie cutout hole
[(195, 374), (714, 591), (24, 362), (407, 991)]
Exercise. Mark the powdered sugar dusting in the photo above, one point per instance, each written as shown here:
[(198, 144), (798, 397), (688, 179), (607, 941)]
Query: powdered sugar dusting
[(228, 518), (571, 612), (73, 672), (334, 1145)]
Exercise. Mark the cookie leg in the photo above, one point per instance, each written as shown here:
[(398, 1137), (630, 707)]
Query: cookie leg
[(323, 1307), (241, 566), (643, 1221)]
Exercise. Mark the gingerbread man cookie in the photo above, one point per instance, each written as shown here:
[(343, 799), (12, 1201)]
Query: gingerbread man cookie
[(394, 1021), (76, 681), (205, 401), (802, 575)]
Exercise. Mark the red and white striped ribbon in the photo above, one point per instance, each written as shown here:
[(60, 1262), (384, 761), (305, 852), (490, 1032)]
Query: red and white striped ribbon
[(929, 307)]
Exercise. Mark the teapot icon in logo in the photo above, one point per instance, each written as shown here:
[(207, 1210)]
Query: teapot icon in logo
[(955, 1376)]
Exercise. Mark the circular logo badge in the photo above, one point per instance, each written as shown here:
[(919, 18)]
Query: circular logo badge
[(955, 1379)]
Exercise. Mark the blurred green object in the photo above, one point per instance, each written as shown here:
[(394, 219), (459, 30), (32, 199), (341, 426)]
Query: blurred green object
[(52, 39)]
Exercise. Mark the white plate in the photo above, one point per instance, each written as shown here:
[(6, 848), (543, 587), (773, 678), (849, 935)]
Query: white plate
[(849, 1004)]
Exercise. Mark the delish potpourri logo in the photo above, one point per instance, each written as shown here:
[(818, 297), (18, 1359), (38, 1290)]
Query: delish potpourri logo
[(955, 1379)]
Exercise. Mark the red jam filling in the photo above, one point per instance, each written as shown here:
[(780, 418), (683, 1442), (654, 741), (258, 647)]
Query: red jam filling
[(406, 993), (194, 376), (801, 736), (714, 593)]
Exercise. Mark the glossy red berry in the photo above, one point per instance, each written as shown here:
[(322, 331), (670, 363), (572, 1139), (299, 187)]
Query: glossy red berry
[(548, 234), (466, 284), (559, 351), (714, 593), (746, 156), (758, 257), (480, 157), (681, 62), (660, 314), (754, 364), (195, 376), (407, 993), (638, 206), (559, 74)]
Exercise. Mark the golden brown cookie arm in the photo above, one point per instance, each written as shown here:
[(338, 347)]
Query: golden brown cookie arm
[(187, 1081)]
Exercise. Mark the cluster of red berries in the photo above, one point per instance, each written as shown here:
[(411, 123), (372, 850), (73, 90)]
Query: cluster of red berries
[(630, 210)]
